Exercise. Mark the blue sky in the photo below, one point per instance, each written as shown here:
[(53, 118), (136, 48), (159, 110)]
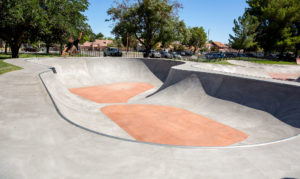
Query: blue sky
[(216, 15)]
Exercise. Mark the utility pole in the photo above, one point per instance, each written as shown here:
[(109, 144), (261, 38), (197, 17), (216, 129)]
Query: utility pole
[(209, 47), (127, 43), (208, 35)]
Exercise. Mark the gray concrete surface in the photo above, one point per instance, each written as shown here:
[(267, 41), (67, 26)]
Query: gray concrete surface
[(234, 69), (270, 68), (252, 69), (36, 142), (226, 99)]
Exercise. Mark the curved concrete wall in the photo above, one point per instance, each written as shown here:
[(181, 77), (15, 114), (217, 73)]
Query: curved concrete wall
[(265, 109), (280, 99), (72, 73)]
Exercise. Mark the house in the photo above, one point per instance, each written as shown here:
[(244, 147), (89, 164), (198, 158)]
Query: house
[(96, 45), (218, 47)]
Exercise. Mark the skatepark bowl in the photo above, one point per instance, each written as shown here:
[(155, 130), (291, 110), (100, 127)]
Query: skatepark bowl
[(174, 103)]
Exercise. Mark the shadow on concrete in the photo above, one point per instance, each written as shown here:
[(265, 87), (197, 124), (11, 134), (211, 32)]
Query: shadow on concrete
[(280, 100)]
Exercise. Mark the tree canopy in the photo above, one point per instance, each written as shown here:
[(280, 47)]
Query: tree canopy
[(99, 36), (244, 32), (197, 37), (46, 20), (149, 21), (278, 24)]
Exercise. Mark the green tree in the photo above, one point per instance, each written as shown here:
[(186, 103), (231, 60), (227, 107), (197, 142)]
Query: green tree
[(92, 37), (175, 31), (17, 18), (32, 20), (178, 47), (64, 18), (88, 35), (197, 38), (118, 43), (146, 20), (277, 29), (108, 38), (99, 36), (244, 32), (131, 40), (59, 21), (111, 45), (183, 34), (296, 31)]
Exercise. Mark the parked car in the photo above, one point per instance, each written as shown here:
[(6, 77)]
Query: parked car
[(250, 55), (30, 49), (215, 55), (211, 56), (242, 55), (208, 56), (154, 54), (287, 56), (230, 55), (176, 55), (110, 51), (166, 55), (182, 53), (222, 55), (188, 53)]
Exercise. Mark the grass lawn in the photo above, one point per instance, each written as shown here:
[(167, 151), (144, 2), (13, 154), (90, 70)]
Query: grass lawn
[(29, 55), (264, 61), (214, 61), (222, 62), (6, 67)]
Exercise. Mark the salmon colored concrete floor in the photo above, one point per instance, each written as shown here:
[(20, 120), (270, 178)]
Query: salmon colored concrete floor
[(112, 93), (170, 125), (283, 76), (158, 124)]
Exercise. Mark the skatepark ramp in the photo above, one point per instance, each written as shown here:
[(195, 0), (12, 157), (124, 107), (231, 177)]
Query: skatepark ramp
[(265, 110)]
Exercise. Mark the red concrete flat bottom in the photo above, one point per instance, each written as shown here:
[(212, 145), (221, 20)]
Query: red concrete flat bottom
[(283, 76), (112, 93), (170, 125)]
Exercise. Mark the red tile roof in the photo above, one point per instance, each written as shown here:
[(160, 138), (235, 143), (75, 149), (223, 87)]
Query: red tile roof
[(96, 43), (219, 44)]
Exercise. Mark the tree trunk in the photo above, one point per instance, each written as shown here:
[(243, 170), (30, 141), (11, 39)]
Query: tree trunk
[(195, 49), (14, 50), (148, 49), (47, 48), (5, 48), (297, 50), (266, 54), (281, 54), (61, 48), (15, 44), (127, 43)]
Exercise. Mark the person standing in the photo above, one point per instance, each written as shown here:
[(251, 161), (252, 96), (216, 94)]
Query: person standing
[(72, 46)]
